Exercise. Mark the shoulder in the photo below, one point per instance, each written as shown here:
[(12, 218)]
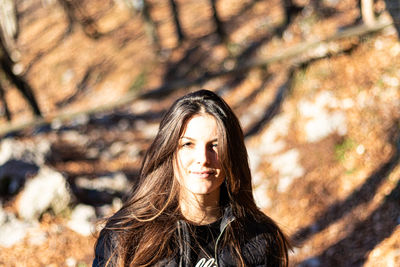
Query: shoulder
[(105, 249), (262, 243), (256, 228), (256, 235)]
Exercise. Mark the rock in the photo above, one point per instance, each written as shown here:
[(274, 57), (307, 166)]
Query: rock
[(116, 149), (133, 151), (312, 262), (324, 124), (260, 196), (47, 190), (116, 182), (320, 119), (101, 190), (254, 157), (149, 130), (12, 233), (248, 118), (19, 160), (12, 230), (289, 168), (13, 174), (109, 209), (3, 215), (70, 262), (82, 219), (271, 141), (93, 153), (279, 127), (74, 137), (81, 119), (29, 152)]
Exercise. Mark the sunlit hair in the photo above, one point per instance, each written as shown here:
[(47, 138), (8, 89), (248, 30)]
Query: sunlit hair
[(146, 224)]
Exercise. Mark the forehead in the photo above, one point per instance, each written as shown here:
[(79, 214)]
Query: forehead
[(200, 127)]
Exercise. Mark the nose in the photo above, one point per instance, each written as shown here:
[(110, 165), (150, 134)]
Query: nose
[(202, 155)]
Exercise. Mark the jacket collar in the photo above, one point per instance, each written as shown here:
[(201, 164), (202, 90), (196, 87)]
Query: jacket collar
[(227, 218)]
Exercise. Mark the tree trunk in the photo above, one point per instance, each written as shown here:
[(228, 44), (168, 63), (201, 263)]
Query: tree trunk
[(150, 26), (178, 27), (5, 106), (7, 65), (218, 23), (8, 25), (291, 10), (77, 14), (367, 12)]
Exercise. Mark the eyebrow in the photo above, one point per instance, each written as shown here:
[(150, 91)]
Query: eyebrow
[(192, 139)]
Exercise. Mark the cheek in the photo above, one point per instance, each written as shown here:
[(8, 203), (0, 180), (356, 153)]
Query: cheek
[(182, 160)]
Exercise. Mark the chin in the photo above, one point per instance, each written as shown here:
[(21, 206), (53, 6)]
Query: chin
[(203, 191)]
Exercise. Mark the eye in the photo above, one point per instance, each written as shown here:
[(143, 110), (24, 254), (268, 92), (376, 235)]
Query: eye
[(213, 146), (187, 144)]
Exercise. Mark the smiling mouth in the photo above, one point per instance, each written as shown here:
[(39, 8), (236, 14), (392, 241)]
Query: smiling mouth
[(203, 174)]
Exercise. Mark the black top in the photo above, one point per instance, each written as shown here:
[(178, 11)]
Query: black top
[(203, 240), (258, 247)]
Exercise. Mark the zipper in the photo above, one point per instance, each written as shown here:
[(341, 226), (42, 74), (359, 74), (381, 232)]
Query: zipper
[(219, 237)]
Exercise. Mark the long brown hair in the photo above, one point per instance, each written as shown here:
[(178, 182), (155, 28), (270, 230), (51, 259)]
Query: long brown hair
[(145, 226)]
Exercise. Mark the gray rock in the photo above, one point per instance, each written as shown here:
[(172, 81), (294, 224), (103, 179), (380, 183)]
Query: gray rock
[(93, 153), (26, 151), (71, 262), (13, 174), (18, 160), (149, 130), (133, 150), (109, 209), (3, 215), (116, 149), (116, 182), (12, 230), (289, 167), (47, 190), (74, 137), (82, 220), (322, 116), (311, 262), (261, 197)]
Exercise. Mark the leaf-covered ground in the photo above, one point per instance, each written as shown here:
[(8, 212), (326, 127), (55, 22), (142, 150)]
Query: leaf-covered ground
[(323, 137)]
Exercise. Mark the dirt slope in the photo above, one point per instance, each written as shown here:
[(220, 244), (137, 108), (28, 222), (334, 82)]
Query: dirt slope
[(323, 138)]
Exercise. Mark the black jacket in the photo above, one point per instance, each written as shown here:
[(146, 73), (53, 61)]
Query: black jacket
[(257, 248)]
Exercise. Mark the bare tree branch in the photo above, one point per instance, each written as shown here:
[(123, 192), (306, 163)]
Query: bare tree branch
[(4, 102), (286, 54), (367, 12), (77, 14), (26, 90), (218, 23), (178, 27)]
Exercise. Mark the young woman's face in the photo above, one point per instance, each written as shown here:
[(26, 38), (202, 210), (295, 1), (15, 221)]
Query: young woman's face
[(198, 167)]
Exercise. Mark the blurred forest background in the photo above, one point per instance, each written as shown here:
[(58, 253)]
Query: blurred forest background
[(315, 84)]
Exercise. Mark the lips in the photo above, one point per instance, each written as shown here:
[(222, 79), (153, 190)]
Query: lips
[(203, 174)]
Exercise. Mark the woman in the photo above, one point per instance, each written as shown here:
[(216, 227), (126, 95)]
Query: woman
[(193, 204)]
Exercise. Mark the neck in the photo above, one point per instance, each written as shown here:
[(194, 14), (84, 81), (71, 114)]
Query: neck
[(200, 209)]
